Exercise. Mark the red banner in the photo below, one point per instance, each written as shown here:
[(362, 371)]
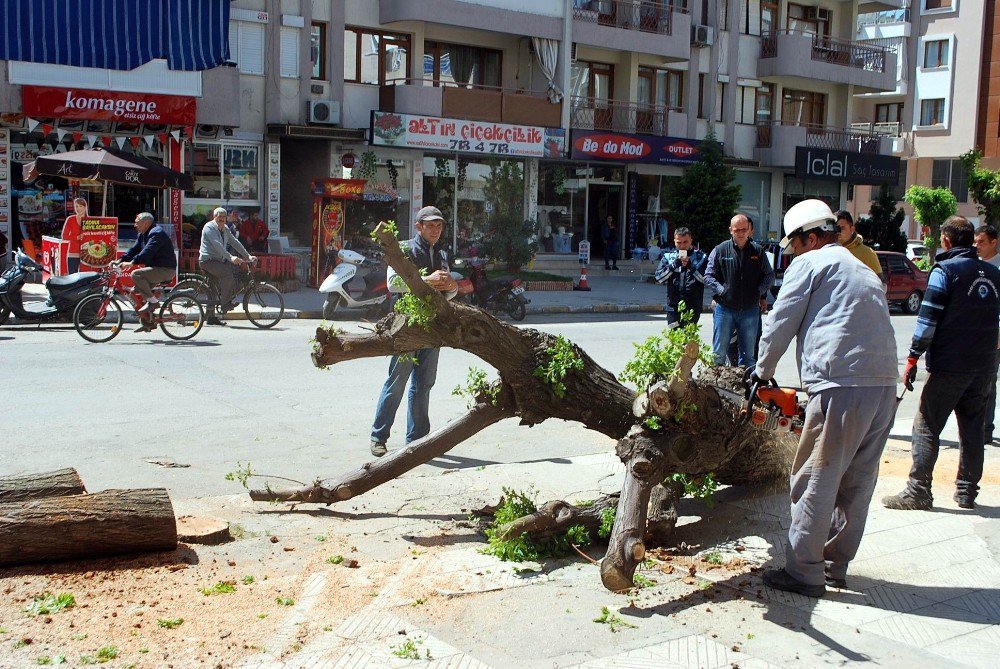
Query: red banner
[(348, 189), (76, 103)]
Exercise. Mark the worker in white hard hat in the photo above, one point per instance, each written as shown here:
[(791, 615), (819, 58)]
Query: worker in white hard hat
[(835, 308)]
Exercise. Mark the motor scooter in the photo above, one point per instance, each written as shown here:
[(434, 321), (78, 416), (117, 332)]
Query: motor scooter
[(355, 283), (505, 296), (64, 292)]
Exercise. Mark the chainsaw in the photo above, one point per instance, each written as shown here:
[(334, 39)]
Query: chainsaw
[(768, 406)]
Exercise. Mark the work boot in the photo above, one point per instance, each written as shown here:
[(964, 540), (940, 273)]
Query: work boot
[(378, 448), (963, 501), (212, 320), (779, 579), (839, 583), (905, 501)]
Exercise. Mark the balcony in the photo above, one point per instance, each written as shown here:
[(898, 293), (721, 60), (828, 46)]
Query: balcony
[(800, 57), (776, 142), (429, 97), (539, 18), (893, 132), (622, 116), (657, 28), (217, 108)]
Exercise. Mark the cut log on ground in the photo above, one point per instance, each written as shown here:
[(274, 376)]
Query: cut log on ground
[(111, 522), (59, 483), (679, 425)]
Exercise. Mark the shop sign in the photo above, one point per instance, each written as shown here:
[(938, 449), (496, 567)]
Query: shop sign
[(77, 103), (632, 148), (433, 133), (98, 242), (347, 189), (854, 168)]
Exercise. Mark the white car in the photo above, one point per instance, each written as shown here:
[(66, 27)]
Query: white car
[(915, 249)]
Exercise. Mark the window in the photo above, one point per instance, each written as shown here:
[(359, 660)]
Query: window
[(803, 108), (937, 4), (815, 20), (936, 53), (664, 88), (768, 16), (765, 104), (889, 113), (600, 78), (375, 57), (246, 46), (703, 91), (932, 112), (951, 175), (289, 55), (226, 171), (897, 189), (317, 50), (464, 65), (746, 105)]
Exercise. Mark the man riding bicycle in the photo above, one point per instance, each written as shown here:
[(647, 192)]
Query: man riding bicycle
[(218, 264), (155, 250)]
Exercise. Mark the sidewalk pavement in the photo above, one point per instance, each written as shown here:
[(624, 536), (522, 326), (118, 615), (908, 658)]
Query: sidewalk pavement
[(627, 293), (924, 590)]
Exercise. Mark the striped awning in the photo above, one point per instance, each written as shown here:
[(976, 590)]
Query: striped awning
[(116, 34)]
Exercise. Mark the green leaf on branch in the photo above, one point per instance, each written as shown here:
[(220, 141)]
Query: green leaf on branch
[(607, 522), (419, 311), (476, 387), (562, 359), (699, 487), (517, 504), (656, 358)]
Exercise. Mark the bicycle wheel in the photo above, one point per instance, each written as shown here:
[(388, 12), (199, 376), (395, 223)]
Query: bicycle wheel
[(193, 283), (98, 318), (4, 315), (264, 305), (181, 316)]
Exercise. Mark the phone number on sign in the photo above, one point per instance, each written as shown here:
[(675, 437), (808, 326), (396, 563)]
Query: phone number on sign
[(481, 147)]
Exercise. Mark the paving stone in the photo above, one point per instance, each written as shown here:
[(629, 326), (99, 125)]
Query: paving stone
[(985, 603), (927, 626), (975, 652), (695, 652)]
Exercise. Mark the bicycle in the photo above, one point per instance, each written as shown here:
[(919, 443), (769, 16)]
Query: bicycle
[(263, 304), (99, 318)]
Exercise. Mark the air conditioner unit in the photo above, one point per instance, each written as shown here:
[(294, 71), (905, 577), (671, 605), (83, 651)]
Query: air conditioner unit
[(326, 112), (702, 35)]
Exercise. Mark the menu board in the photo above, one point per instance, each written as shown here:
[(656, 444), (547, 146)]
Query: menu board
[(5, 216), (273, 188), (98, 242)]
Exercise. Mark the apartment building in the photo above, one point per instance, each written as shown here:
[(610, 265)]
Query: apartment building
[(946, 100), (334, 114)]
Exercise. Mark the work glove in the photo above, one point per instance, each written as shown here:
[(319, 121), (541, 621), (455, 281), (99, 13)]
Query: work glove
[(750, 378), (910, 372)]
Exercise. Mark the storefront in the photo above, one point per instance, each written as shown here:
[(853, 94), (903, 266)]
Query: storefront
[(464, 167), (56, 120), (820, 173)]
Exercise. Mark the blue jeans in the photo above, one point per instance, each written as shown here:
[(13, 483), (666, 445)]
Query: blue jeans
[(745, 323), (422, 376)]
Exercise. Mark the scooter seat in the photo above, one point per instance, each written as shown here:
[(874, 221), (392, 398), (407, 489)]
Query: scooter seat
[(71, 280)]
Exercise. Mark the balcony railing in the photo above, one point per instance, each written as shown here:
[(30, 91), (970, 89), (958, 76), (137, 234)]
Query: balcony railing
[(883, 18), (642, 15), (620, 116), (887, 129), (858, 55), (436, 97), (825, 137)]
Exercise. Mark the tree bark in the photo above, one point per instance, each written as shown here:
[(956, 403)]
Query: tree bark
[(554, 518), (58, 483), (111, 522)]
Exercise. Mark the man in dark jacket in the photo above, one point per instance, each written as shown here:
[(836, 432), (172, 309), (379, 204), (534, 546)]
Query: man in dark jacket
[(683, 271), (957, 328), (420, 367), (155, 251), (739, 277), (609, 235)]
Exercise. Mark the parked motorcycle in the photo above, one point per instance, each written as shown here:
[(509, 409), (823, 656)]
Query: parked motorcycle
[(499, 296), (64, 292), (355, 283)]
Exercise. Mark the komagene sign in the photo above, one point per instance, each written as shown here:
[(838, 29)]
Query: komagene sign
[(628, 147), (77, 103), (854, 168)]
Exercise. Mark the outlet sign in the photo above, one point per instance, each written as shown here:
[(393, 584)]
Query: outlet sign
[(633, 148), (845, 166)]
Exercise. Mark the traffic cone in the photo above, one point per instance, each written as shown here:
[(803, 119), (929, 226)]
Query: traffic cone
[(582, 285)]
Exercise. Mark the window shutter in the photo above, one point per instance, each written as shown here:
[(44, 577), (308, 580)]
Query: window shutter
[(251, 44), (234, 42), (290, 52)]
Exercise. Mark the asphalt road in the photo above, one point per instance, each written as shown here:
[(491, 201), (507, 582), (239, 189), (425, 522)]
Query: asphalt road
[(238, 394)]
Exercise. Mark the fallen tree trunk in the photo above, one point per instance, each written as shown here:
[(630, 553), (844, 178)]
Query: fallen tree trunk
[(679, 425), (111, 522), (58, 483)]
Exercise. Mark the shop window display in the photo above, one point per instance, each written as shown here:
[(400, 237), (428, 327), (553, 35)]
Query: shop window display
[(562, 205)]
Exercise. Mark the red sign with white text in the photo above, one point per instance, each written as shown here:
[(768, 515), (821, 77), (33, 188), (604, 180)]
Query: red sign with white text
[(78, 103), (636, 148)]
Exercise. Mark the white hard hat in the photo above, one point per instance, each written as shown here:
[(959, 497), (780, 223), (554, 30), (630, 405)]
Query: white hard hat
[(808, 215)]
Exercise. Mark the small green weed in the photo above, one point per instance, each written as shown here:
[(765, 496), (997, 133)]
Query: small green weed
[(169, 623), (47, 603), (713, 557), (653, 422), (106, 653), (319, 537), (406, 650), (242, 474), (641, 581), (335, 559), (612, 620), (285, 601), (247, 580), (220, 588), (88, 659), (419, 602), (749, 636)]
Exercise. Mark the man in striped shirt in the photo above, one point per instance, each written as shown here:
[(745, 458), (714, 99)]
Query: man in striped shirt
[(957, 328)]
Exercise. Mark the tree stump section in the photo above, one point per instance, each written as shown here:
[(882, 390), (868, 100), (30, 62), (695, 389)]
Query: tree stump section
[(59, 483), (111, 522), (204, 531), (697, 432)]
